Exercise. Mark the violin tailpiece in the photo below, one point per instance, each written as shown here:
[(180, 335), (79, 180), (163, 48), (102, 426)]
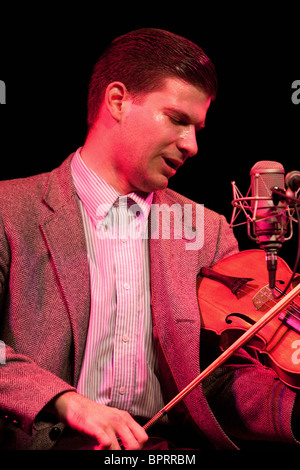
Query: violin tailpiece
[(233, 283)]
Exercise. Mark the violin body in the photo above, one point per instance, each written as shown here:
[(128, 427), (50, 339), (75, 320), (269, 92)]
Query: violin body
[(230, 303)]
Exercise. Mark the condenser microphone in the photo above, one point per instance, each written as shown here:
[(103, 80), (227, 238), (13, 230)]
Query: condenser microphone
[(269, 220)]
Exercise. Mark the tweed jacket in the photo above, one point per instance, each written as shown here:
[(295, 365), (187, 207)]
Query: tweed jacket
[(45, 302)]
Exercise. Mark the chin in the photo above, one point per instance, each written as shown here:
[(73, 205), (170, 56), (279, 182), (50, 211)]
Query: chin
[(159, 183), (156, 184)]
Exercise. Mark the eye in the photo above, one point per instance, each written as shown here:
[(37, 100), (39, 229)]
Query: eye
[(177, 121)]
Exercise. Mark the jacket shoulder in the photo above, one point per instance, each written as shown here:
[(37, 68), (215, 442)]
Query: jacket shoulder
[(21, 185), (33, 189)]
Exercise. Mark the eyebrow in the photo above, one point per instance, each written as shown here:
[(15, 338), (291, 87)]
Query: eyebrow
[(185, 117)]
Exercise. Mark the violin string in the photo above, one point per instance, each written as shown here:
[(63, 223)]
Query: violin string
[(293, 307)]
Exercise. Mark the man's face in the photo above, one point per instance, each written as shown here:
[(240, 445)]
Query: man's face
[(157, 135)]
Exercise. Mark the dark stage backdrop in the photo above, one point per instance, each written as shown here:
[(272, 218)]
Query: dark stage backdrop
[(47, 55)]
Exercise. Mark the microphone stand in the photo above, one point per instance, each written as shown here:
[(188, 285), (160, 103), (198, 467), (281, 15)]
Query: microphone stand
[(226, 354)]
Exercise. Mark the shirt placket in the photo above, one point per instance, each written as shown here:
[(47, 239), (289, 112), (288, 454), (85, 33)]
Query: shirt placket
[(128, 262)]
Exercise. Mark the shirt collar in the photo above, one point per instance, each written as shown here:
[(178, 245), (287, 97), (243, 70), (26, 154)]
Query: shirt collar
[(96, 195)]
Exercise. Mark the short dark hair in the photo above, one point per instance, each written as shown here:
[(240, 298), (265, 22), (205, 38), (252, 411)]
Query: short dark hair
[(142, 59)]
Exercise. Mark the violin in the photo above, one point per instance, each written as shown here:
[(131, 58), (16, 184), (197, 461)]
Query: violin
[(230, 304), (243, 311)]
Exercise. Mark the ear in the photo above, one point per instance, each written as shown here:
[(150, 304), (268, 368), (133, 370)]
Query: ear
[(116, 98)]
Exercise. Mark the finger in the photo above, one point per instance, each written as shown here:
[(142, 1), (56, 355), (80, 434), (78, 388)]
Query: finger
[(116, 444), (139, 433), (132, 435), (104, 440), (108, 439)]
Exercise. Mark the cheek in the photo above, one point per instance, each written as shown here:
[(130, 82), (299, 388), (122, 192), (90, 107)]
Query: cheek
[(146, 124), (146, 136)]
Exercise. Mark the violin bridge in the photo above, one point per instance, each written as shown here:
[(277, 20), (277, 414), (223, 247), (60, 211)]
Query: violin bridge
[(263, 299)]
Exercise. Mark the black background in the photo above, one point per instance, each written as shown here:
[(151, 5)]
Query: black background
[(47, 56)]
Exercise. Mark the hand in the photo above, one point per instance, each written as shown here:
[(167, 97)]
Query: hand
[(105, 424)]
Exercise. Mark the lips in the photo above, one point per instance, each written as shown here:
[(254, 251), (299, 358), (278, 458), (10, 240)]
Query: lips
[(174, 164)]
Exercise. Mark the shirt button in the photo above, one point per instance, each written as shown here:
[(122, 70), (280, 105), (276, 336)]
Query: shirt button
[(126, 286), (125, 339), (122, 390)]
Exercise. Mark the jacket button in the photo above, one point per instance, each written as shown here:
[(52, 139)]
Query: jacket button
[(55, 433)]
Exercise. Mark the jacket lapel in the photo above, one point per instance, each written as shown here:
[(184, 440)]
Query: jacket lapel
[(175, 307), (64, 235), (176, 320)]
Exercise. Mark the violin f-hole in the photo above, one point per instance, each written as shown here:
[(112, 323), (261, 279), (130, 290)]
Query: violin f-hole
[(239, 315)]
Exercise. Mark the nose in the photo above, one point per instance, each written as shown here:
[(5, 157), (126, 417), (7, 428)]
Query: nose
[(187, 142)]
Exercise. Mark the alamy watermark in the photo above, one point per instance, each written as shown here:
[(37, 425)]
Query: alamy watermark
[(296, 92), (165, 222), (2, 353), (296, 354), (2, 92)]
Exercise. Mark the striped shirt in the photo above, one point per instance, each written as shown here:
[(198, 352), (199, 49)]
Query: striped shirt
[(119, 365)]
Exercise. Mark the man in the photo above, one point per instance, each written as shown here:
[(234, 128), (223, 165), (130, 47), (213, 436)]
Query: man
[(101, 327)]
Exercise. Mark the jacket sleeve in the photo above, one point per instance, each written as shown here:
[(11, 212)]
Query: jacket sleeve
[(25, 388), (250, 401)]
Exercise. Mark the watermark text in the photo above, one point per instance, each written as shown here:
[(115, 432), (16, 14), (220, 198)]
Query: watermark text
[(2, 92), (296, 93), (166, 222), (2, 353), (296, 353)]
